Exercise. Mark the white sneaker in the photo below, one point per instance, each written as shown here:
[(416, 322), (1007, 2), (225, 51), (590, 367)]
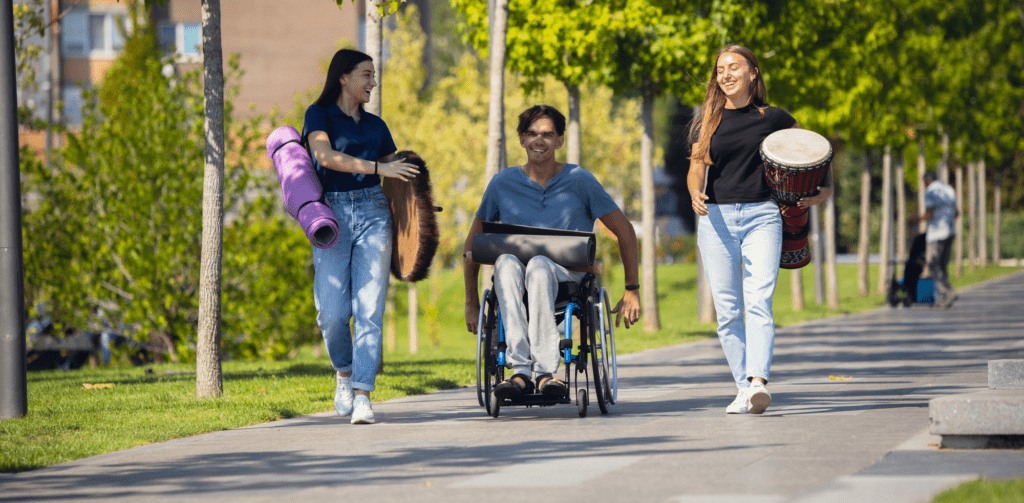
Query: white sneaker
[(343, 396), (741, 404), (759, 397), (363, 413)]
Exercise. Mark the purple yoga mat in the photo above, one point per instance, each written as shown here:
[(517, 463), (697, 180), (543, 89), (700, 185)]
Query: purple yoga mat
[(301, 187)]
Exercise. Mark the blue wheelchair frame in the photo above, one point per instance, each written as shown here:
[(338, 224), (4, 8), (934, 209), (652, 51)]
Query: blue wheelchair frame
[(589, 304)]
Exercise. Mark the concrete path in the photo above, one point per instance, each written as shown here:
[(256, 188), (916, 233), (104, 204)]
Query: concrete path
[(849, 422)]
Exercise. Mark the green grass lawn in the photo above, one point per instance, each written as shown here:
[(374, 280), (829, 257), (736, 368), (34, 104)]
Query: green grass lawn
[(68, 420), (984, 491)]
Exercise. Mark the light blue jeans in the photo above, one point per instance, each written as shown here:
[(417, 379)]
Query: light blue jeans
[(740, 245), (351, 282), (532, 345)]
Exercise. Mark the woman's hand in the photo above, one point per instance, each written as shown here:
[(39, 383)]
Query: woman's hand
[(823, 194), (697, 198), (397, 169)]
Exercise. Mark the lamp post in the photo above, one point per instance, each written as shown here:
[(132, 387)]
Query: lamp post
[(13, 394)]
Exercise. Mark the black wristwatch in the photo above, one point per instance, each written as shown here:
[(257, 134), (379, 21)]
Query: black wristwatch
[(632, 286)]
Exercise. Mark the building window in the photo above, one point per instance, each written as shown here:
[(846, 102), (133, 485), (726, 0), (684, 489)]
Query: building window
[(96, 34), (182, 38), (73, 103)]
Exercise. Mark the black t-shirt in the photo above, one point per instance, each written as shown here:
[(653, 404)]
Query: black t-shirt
[(737, 175)]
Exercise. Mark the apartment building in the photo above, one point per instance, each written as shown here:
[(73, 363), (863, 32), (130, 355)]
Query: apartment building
[(282, 44)]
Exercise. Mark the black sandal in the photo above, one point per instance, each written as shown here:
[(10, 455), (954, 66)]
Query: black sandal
[(552, 387), (513, 386)]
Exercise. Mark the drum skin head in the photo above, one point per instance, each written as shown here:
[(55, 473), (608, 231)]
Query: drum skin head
[(413, 222), (797, 148)]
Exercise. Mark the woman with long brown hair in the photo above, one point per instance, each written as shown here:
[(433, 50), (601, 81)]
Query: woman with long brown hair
[(739, 228), (351, 277)]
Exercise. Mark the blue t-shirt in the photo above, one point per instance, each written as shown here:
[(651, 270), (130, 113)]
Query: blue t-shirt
[(369, 139), (572, 200)]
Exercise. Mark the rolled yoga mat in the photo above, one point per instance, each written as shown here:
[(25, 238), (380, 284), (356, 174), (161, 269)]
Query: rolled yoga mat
[(301, 187), (565, 248)]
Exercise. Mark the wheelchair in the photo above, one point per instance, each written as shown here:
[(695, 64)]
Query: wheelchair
[(588, 303)]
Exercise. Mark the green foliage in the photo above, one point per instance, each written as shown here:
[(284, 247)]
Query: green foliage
[(984, 491), (624, 44), (28, 22), (112, 237), (1012, 235)]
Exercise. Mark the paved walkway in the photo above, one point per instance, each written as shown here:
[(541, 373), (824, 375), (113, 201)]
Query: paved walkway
[(863, 437)]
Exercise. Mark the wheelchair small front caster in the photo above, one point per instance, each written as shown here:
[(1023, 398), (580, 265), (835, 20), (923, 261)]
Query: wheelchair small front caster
[(581, 402)]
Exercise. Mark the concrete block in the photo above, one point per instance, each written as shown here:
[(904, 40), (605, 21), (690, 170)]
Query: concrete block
[(993, 412), (1006, 374)]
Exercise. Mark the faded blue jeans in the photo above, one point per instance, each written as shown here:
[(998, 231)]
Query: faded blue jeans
[(351, 282), (533, 344), (740, 245)]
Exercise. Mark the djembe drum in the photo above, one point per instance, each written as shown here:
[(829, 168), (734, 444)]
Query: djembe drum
[(796, 162)]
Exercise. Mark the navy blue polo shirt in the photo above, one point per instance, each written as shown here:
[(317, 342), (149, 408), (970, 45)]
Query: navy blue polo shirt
[(368, 139)]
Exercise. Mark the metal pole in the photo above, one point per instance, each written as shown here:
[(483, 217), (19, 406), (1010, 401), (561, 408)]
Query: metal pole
[(13, 387)]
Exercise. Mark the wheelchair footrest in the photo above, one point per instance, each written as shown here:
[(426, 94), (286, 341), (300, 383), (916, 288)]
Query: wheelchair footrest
[(538, 399)]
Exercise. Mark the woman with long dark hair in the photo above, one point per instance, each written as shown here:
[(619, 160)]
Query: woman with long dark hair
[(352, 276), (739, 228)]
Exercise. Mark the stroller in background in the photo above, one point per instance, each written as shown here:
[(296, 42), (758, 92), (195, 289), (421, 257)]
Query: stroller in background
[(912, 288)]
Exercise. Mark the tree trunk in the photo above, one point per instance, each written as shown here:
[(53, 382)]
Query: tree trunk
[(885, 237), (817, 254), (921, 168), (944, 167), (830, 252), (498, 16), (414, 338), (373, 44), (705, 301), (997, 196), (901, 210), (390, 325), (652, 321), (972, 202), (982, 216), (958, 259), (209, 382), (796, 288), (574, 143), (864, 240)]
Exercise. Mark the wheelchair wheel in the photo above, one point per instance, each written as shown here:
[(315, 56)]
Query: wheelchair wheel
[(492, 373), (607, 351), (481, 351), (599, 374), (581, 401)]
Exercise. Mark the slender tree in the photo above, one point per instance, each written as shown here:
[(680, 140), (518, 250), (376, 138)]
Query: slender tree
[(885, 240), (982, 217), (864, 240), (498, 22), (209, 381)]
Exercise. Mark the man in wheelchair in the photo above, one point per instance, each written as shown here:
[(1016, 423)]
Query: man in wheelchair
[(543, 193)]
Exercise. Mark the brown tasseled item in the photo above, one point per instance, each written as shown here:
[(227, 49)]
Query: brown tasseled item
[(413, 222)]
